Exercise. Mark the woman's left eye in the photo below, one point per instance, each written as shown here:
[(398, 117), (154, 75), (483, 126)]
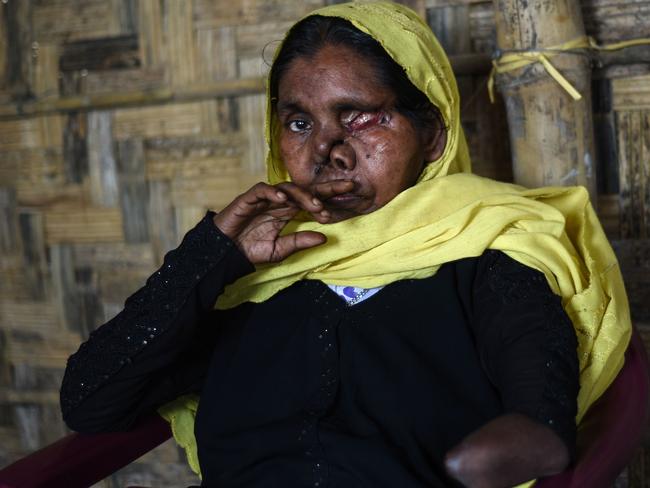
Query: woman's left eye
[(298, 125)]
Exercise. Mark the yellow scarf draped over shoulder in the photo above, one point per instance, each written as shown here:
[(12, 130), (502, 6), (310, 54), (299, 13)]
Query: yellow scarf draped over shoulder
[(448, 215)]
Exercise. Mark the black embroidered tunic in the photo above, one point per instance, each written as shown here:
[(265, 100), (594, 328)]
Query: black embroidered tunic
[(303, 390)]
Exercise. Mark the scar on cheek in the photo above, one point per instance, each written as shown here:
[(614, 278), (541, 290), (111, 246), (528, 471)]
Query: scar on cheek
[(366, 120)]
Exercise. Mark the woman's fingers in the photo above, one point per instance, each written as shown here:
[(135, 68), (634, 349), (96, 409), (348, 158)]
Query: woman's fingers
[(285, 246), (312, 199), (260, 195), (255, 218), (234, 218), (331, 188), (305, 200)]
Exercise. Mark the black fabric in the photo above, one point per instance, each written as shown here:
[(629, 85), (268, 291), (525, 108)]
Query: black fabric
[(303, 390)]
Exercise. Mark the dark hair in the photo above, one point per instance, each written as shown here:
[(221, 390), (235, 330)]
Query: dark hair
[(311, 34)]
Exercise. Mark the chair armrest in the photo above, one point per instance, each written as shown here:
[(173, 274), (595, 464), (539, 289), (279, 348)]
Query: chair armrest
[(80, 460), (608, 436), (613, 428)]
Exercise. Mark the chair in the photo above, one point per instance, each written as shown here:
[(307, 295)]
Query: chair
[(80, 460), (608, 436), (613, 428)]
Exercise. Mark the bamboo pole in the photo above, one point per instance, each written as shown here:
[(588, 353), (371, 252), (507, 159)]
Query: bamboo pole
[(224, 88), (551, 134)]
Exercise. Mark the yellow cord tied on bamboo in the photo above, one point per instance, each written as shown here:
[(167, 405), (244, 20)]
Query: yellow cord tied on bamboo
[(510, 61)]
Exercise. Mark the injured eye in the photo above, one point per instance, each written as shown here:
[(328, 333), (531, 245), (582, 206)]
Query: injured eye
[(357, 121)]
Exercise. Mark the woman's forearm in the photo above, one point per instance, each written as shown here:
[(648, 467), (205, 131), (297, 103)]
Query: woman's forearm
[(146, 354), (509, 450), (527, 345)]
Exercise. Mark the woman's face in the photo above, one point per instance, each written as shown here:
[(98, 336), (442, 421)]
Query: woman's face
[(339, 123)]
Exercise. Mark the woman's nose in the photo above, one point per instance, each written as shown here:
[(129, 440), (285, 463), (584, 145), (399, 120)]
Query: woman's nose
[(332, 149), (343, 157)]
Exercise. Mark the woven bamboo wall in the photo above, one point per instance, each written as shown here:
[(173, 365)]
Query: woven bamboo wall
[(122, 121)]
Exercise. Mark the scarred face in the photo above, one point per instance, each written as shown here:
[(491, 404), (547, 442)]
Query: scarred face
[(339, 123)]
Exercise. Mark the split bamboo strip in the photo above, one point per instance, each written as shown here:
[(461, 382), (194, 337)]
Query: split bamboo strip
[(180, 43), (51, 196), (71, 21), (215, 192), (631, 93), (150, 36), (31, 396), (102, 170), (33, 133), (83, 225), (634, 172), (46, 71), (30, 316), (171, 169), (4, 53), (115, 256), (170, 120)]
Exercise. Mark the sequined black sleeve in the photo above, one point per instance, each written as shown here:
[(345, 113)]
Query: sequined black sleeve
[(527, 343), (157, 348)]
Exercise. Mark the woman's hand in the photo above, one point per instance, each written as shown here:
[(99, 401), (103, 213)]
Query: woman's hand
[(255, 218)]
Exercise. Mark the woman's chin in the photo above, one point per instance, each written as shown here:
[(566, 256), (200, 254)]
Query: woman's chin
[(340, 217)]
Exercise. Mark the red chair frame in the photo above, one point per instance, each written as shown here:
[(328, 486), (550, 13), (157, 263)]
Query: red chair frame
[(613, 428), (81, 460)]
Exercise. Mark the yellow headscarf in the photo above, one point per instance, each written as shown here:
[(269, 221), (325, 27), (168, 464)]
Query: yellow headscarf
[(448, 215)]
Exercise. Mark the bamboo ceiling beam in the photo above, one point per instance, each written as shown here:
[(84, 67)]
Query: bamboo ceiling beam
[(226, 88), (551, 134)]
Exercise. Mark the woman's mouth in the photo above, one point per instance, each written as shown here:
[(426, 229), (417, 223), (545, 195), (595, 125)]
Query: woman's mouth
[(344, 200)]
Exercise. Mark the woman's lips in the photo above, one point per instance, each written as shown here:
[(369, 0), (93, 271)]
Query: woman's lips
[(344, 200)]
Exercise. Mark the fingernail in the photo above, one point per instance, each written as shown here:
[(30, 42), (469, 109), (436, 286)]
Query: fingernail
[(281, 195), (316, 202), (325, 214)]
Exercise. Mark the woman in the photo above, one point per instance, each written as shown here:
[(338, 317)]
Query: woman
[(382, 318)]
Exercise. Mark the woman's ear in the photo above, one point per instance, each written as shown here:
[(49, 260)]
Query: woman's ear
[(434, 135), (435, 142)]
